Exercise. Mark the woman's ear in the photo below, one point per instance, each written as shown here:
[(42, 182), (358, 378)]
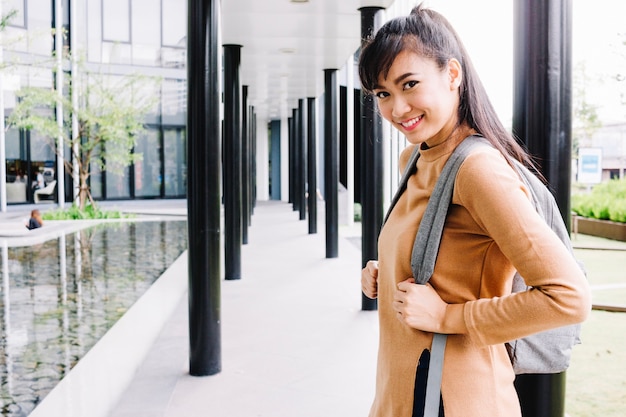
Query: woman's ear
[(455, 72)]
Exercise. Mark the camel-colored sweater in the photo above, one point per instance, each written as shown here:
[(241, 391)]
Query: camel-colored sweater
[(491, 231)]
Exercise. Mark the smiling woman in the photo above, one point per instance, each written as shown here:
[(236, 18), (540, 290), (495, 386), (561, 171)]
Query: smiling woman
[(427, 88)]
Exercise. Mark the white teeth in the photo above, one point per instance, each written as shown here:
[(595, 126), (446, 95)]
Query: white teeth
[(410, 122)]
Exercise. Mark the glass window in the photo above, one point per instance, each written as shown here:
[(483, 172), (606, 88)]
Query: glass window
[(174, 18), (117, 184), (42, 158), (146, 32), (145, 25), (94, 31), (15, 162), (39, 20), (117, 173), (116, 20), (148, 169), (174, 101), (12, 144), (18, 6), (175, 156), (95, 181), (41, 147)]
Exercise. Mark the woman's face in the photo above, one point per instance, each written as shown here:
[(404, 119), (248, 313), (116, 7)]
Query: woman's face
[(419, 99)]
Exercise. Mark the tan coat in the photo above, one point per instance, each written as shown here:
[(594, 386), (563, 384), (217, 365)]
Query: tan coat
[(491, 230)]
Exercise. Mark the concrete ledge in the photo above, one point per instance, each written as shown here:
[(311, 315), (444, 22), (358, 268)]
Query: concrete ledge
[(94, 386), (601, 228)]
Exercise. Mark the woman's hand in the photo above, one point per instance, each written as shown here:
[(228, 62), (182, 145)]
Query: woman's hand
[(419, 306), (369, 279)]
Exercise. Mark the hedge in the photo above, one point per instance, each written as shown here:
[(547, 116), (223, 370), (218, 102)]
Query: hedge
[(607, 201)]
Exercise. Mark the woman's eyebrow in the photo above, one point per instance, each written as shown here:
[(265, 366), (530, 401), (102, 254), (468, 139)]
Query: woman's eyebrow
[(398, 80), (402, 77)]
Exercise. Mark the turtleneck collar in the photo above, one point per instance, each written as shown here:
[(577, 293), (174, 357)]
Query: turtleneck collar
[(447, 146)]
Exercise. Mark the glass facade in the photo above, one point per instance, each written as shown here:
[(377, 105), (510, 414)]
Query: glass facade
[(115, 38)]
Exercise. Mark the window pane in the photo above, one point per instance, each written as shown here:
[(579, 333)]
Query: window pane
[(174, 23), (39, 18), (116, 20), (146, 31), (41, 147), (95, 181), (12, 144), (145, 25), (94, 31), (175, 162), (148, 170), (117, 174), (174, 101), (117, 185), (18, 7)]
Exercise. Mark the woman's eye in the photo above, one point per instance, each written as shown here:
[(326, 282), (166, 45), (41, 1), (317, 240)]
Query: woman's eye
[(382, 94), (409, 84)]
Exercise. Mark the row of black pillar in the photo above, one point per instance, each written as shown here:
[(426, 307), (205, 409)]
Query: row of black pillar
[(239, 154), (303, 161), (541, 120), (208, 165)]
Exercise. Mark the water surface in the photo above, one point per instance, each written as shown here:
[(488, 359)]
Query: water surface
[(61, 296)]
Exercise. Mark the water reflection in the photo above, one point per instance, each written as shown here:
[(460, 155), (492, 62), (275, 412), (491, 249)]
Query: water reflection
[(61, 296)]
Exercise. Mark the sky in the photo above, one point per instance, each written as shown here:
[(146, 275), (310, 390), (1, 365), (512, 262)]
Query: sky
[(488, 37)]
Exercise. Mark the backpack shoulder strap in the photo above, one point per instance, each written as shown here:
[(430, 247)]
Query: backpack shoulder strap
[(426, 245), (424, 256)]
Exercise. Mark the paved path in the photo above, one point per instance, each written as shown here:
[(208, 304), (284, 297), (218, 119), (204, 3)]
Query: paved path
[(294, 339)]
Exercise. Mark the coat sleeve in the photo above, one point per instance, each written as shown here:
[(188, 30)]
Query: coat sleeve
[(498, 201)]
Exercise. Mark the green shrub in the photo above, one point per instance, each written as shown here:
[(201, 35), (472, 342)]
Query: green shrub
[(617, 211), (607, 201), (90, 213)]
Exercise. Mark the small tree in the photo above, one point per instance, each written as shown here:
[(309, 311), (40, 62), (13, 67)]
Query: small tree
[(586, 120), (110, 114)]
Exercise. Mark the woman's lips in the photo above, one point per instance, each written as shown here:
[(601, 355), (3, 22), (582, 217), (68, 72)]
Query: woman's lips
[(411, 124)]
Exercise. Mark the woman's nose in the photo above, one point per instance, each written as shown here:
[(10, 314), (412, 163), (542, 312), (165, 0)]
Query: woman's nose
[(400, 107)]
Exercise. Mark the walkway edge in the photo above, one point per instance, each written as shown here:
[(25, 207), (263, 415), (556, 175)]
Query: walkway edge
[(95, 385)]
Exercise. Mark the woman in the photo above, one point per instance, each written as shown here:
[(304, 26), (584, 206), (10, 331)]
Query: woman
[(426, 87)]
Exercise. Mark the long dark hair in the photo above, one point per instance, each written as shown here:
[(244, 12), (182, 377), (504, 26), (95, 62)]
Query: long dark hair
[(430, 35)]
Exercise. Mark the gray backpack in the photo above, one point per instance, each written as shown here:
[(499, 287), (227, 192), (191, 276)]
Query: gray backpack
[(542, 353)]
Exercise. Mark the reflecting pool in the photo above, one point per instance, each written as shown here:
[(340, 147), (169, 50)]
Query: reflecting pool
[(61, 296)]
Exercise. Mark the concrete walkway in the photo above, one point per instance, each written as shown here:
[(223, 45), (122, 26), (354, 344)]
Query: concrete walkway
[(294, 339)]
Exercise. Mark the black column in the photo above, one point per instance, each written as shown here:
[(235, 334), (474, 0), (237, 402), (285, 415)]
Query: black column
[(295, 179), (542, 121), (312, 165), (292, 161), (302, 168), (252, 162), (203, 187), (371, 163), (245, 164), (232, 162), (331, 161)]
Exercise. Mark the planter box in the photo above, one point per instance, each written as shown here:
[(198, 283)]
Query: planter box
[(601, 228)]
